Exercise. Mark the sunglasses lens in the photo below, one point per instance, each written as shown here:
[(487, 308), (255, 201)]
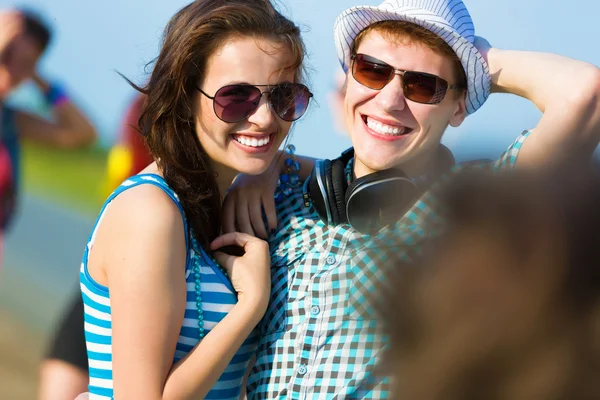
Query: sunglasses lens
[(418, 86), (370, 73), (424, 88), (234, 103), (290, 100)]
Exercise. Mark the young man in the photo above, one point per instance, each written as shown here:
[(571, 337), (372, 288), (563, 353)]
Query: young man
[(413, 67)]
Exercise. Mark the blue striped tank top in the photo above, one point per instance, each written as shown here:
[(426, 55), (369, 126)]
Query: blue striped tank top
[(218, 298)]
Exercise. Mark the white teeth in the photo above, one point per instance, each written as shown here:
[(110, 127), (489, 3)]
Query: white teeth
[(385, 129), (252, 142)]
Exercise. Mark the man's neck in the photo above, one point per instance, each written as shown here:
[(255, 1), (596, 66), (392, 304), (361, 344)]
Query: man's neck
[(427, 164)]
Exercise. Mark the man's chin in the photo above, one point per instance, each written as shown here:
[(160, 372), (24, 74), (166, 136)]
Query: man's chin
[(379, 162), (382, 167), (379, 158), (372, 166)]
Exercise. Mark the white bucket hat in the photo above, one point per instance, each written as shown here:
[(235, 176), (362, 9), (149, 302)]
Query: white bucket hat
[(448, 19)]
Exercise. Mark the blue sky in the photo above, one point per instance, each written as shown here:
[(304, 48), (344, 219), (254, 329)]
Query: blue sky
[(96, 38)]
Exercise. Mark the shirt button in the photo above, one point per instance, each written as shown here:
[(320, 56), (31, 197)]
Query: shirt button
[(302, 369), (330, 260), (315, 310)]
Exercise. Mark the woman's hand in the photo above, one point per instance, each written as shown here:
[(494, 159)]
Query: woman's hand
[(243, 206), (249, 273), (249, 196)]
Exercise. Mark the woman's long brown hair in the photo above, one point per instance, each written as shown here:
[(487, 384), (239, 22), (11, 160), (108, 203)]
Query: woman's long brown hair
[(168, 120)]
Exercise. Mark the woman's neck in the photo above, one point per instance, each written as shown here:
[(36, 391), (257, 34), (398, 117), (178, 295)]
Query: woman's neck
[(225, 177)]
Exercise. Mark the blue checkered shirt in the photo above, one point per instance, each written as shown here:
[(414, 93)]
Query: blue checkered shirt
[(319, 338)]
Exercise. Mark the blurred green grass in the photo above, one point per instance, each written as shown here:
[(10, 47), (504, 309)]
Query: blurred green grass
[(71, 178)]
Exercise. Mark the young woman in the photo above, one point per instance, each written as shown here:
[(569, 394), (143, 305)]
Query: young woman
[(163, 319)]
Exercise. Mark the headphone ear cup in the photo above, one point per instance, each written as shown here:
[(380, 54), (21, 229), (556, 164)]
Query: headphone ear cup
[(338, 192), (319, 190), (354, 186), (378, 199)]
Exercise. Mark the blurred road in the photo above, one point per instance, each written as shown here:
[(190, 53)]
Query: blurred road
[(41, 261)]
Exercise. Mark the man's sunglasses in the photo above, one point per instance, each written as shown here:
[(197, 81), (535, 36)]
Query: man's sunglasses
[(234, 103), (419, 87)]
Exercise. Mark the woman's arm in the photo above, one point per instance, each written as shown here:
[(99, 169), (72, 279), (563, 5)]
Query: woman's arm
[(567, 91), (195, 375), (139, 251), (69, 127)]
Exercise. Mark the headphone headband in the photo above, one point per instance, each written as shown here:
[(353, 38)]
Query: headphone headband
[(369, 202)]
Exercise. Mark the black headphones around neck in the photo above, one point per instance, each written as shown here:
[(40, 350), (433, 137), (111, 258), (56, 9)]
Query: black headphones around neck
[(367, 203)]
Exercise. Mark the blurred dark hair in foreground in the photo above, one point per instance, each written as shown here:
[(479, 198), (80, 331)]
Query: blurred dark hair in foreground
[(505, 304)]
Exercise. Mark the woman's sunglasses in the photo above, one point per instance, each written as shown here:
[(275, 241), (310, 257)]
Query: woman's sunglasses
[(234, 103), (419, 87)]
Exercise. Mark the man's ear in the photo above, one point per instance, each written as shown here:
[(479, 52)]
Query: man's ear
[(344, 84), (460, 111)]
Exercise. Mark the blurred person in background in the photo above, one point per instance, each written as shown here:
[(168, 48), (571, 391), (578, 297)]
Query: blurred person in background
[(505, 304), (64, 377), (7, 195), (24, 38), (64, 369), (130, 154)]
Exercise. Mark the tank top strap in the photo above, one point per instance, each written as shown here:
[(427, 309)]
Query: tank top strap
[(146, 179)]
